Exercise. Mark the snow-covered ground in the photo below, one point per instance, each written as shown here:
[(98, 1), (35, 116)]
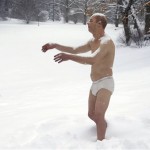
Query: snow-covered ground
[(43, 105)]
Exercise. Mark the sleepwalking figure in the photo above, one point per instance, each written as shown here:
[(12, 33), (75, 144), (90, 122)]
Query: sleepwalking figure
[(101, 60)]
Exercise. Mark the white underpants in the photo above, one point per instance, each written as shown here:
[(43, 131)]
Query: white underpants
[(104, 83)]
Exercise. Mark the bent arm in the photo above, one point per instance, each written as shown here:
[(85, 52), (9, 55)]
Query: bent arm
[(90, 60), (79, 59), (95, 57)]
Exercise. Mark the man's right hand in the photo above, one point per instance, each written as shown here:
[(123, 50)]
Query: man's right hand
[(48, 46)]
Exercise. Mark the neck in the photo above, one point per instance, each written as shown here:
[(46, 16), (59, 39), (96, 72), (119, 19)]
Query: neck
[(97, 36)]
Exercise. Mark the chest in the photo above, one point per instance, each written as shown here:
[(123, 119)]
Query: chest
[(94, 45)]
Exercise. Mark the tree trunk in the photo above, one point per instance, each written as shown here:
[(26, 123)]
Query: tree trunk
[(67, 11), (147, 18), (85, 12), (117, 14), (53, 10), (125, 21), (85, 19), (126, 29), (137, 27)]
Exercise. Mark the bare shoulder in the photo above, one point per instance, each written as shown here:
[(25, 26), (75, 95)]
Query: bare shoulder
[(107, 42), (106, 39)]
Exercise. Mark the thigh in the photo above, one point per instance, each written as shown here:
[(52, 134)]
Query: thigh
[(102, 101), (91, 103)]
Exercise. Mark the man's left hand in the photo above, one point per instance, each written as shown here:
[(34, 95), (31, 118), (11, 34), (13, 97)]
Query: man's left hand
[(61, 57)]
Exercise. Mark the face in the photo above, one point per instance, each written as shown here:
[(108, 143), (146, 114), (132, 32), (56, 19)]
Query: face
[(93, 25)]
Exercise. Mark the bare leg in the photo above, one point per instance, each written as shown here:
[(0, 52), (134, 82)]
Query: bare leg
[(101, 105), (91, 106)]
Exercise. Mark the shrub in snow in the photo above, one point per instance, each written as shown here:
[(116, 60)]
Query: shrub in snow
[(122, 39), (136, 37), (43, 16)]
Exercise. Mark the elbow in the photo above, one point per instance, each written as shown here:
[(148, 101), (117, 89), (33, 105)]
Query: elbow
[(91, 63), (74, 51)]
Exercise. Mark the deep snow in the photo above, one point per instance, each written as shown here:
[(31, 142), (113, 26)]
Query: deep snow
[(43, 105)]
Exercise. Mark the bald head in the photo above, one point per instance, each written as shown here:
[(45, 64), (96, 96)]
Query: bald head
[(100, 18)]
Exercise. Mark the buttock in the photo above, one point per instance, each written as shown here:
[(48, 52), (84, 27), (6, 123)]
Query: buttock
[(104, 83)]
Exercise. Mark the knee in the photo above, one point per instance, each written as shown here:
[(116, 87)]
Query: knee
[(91, 116)]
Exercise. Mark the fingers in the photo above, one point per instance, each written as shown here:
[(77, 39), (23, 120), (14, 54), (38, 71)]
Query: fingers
[(45, 48), (58, 58), (58, 55), (48, 46)]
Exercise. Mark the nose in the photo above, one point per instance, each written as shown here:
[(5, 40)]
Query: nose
[(88, 23)]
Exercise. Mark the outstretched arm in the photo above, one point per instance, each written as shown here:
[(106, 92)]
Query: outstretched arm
[(80, 49)]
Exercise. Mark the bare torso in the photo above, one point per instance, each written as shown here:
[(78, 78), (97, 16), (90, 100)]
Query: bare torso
[(104, 59)]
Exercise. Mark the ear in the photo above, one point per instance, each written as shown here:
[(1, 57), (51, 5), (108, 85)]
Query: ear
[(99, 22)]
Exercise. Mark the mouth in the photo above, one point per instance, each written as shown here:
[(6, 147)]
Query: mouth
[(89, 28)]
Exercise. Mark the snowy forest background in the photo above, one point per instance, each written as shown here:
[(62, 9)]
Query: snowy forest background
[(133, 14)]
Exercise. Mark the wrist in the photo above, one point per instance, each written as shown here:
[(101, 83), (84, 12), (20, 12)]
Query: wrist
[(55, 45), (70, 56), (52, 45)]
